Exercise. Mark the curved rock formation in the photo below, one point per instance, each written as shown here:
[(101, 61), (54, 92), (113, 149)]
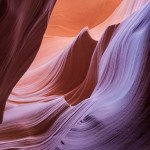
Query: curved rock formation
[(93, 95), (22, 23)]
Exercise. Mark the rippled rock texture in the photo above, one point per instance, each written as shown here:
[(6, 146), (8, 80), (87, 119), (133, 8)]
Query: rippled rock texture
[(22, 25), (84, 92)]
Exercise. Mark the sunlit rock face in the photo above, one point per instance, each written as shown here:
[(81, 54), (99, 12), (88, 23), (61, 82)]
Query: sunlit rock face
[(88, 87)]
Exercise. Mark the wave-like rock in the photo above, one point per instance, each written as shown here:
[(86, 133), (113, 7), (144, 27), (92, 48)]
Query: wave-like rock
[(119, 115), (60, 75), (93, 96), (22, 23)]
